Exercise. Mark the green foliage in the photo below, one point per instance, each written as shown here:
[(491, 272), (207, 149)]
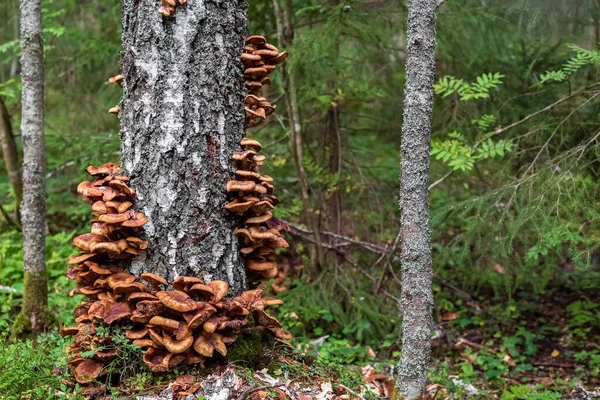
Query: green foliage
[(480, 89), (58, 249), (28, 367), (581, 59), (460, 156)]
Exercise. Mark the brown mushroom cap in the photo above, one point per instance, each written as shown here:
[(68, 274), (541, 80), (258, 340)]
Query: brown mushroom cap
[(117, 311), (271, 323), (157, 338), (106, 355), (140, 296), (183, 283), (131, 334), (213, 323), (281, 57), (270, 47), (266, 53), (202, 290), (204, 312), (122, 187), (260, 219), (153, 279), (165, 323), (208, 342), (253, 85), (137, 219), (177, 346), (250, 57), (247, 174), (255, 72), (157, 360), (262, 207), (256, 40), (120, 278), (191, 357), (177, 300), (239, 207), (252, 144), (105, 169), (137, 242), (260, 233), (88, 370), (243, 186), (81, 258), (183, 331), (219, 288), (115, 218), (150, 308), (143, 342), (128, 288), (87, 189)]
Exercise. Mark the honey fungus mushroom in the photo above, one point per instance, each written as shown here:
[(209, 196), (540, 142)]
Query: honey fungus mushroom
[(196, 319)]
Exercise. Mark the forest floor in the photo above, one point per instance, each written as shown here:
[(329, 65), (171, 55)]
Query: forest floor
[(527, 347)]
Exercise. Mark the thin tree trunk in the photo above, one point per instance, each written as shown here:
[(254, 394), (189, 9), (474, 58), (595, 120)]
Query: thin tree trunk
[(414, 199), (334, 142), (34, 316), (182, 118), (334, 138), (11, 159), (285, 35)]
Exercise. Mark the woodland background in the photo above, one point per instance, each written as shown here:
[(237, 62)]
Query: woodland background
[(515, 199)]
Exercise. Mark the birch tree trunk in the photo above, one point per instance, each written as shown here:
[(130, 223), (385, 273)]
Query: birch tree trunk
[(182, 118), (414, 199), (34, 317)]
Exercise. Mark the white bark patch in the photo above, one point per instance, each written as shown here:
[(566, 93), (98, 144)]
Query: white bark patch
[(149, 227), (165, 196), (172, 252)]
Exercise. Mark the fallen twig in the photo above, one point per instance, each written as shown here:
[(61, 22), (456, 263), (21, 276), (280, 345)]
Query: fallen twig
[(352, 392), (258, 388)]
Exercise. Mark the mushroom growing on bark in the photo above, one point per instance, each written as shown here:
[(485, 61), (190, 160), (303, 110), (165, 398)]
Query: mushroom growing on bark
[(188, 322)]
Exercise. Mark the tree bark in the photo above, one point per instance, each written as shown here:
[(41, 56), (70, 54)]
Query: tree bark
[(285, 36), (182, 118), (416, 261), (11, 159), (33, 315)]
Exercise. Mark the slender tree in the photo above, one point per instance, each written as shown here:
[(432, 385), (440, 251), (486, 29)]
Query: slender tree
[(11, 159), (182, 118), (285, 37), (414, 199), (34, 316)]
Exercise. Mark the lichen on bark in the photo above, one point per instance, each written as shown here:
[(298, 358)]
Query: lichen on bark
[(417, 296), (182, 118), (34, 316)]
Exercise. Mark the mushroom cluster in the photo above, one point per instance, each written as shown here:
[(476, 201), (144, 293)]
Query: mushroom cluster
[(185, 322), (254, 201), (252, 192), (260, 59)]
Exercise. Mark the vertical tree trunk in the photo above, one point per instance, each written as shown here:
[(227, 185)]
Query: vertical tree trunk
[(334, 142), (285, 35), (11, 159), (35, 292), (414, 199), (182, 118)]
